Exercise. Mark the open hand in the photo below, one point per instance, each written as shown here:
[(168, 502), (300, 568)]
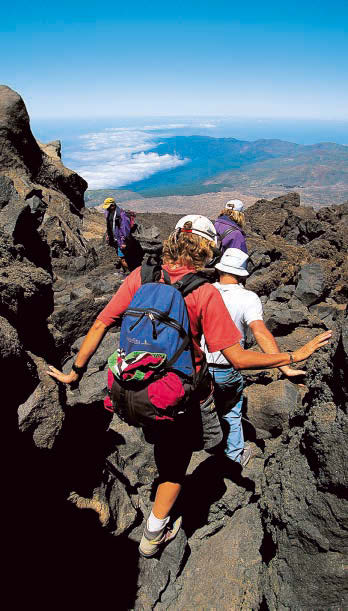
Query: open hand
[(320, 340), (291, 373), (66, 378)]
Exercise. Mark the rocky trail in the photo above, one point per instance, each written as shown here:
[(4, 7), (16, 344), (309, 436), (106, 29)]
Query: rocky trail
[(80, 480)]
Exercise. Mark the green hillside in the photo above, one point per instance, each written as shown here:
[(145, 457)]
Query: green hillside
[(213, 164)]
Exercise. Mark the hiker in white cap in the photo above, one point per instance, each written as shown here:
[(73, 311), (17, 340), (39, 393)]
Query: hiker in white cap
[(245, 309), (230, 226)]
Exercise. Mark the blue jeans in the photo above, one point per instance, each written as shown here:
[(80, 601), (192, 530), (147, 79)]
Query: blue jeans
[(228, 392)]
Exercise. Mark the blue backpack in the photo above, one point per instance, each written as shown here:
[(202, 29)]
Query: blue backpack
[(153, 370)]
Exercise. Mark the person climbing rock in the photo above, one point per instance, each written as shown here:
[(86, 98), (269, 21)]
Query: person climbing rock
[(186, 251), (245, 309), (118, 229), (230, 226)]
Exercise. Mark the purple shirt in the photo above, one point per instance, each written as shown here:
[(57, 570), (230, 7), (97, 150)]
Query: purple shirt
[(121, 229), (232, 240)]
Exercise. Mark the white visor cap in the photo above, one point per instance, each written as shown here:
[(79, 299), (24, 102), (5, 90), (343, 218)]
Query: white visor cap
[(233, 261), (200, 226), (235, 204)]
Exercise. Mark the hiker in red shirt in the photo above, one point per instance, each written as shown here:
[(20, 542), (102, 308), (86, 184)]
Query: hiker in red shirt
[(187, 249)]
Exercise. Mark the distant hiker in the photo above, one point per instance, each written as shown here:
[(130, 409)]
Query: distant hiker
[(118, 228), (186, 251), (245, 309), (230, 226)]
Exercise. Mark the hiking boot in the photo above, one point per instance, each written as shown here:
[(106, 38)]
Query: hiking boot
[(245, 456), (151, 541)]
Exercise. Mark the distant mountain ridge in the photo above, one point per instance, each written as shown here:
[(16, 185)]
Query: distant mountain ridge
[(257, 168), (96, 197)]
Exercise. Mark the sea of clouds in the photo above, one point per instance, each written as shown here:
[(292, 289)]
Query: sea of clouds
[(118, 156)]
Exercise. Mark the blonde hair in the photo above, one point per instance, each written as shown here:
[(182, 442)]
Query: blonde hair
[(187, 249), (237, 217)]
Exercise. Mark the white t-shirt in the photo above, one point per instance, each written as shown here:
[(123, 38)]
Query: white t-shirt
[(244, 307)]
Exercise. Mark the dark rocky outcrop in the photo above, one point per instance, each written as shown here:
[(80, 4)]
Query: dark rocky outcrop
[(41, 413), (24, 158), (311, 284), (238, 531), (37, 170), (273, 537), (298, 237)]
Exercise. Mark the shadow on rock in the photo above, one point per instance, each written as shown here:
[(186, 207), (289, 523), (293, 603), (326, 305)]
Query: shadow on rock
[(204, 487), (83, 446), (57, 550)]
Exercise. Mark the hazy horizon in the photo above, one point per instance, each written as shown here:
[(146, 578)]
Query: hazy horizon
[(119, 152)]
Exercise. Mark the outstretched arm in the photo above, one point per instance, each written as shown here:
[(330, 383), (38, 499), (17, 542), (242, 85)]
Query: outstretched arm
[(248, 359), (111, 313), (88, 348), (267, 343)]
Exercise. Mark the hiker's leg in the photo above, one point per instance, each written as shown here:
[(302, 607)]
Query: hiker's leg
[(166, 495), (172, 451), (235, 438), (122, 260), (124, 265), (158, 530), (117, 256), (228, 385)]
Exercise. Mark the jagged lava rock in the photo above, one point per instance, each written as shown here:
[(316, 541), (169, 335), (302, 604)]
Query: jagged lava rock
[(257, 541), (31, 167), (269, 407), (311, 284), (41, 413), (225, 574)]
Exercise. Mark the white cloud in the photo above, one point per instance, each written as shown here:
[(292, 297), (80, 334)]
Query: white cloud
[(191, 124), (207, 125), (168, 126), (117, 156)]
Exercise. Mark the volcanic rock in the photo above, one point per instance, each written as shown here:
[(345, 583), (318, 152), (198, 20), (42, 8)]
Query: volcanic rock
[(41, 413), (311, 284), (269, 407), (273, 536), (32, 167)]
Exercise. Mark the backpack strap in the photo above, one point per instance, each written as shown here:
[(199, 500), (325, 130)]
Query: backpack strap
[(152, 272), (223, 235), (187, 285), (190, 282), (186, 341)]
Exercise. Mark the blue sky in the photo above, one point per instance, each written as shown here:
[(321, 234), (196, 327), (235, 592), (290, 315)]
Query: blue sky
[(252, 59)]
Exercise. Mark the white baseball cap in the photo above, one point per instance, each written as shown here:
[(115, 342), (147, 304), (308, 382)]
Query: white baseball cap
[(235, 204), (200, 226), (233, 261)]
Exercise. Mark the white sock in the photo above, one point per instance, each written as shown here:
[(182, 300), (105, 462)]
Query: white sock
[(154, 523)]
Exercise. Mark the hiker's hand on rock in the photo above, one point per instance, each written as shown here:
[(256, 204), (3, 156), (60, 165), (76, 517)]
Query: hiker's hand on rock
[(66, 378), (318, 342), (291, 373)]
